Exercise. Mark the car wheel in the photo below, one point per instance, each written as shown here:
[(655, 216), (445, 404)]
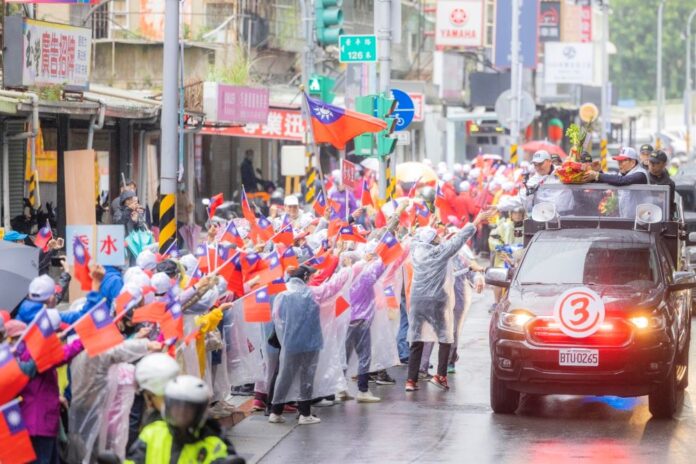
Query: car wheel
[(663, 401), (503, 399)]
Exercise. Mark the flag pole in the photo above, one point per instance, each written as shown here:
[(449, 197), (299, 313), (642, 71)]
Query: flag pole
[(72, 326)]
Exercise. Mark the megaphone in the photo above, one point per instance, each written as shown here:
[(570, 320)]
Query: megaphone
[(647, 213), (545, 212)]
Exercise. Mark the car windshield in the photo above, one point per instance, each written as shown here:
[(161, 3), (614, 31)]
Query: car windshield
[(589, 262), (687, 195)]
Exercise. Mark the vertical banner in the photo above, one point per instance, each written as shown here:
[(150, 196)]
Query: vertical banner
[(111, 245), (550, 21), (349, 174), (529, 15)]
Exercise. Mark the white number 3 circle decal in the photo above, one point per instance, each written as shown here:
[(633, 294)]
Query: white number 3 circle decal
[(579, 312)]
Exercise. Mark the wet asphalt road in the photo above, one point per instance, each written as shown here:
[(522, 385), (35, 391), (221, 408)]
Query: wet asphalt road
[(459, 426)]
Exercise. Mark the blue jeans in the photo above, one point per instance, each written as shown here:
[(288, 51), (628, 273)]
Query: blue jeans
[(401, 343)]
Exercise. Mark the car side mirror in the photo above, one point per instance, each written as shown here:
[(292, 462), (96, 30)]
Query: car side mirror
[(683, 280), (498, 277)]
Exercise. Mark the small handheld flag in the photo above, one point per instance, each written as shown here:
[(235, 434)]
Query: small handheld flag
[(215, 201), (247, 212), (320, 204), (341, 305), (12, 379), (81, 264), (389, 248), (15, 443), (44, 236), (257, 306), (349, 234), (43, 343), (98, 331)]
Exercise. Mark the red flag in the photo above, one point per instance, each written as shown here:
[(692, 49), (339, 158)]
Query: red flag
[(422, 214), (335, 206), (262, 228), (232, 273), (349, 234), (152, 312), (251, 263), (289, 258), (81, 264), (97, 330), (334, 125), (412, 190), (276, 287), (389, 248), (42, 342), (172, 324), (15, 443), (380, 220), (271, 269), (43, 237), (231, 234), (341, 305), (320, 204), (121, 302), (257, 306), (12, 379), (444, 206), (334, 227), (215, 201), (285, 236), (246, 209), (366, 198)]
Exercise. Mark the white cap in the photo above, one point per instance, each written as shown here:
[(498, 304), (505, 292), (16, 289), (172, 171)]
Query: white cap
[(425, 234), (155, 371), (161, 282), (291, 200), (137, 279), (135, 291), (189, 262), (457, 167), (540, 156), (42, 288), (146, 260), (626, 153)]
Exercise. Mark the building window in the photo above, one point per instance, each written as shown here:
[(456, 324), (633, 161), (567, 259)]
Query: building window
[(217, 13)]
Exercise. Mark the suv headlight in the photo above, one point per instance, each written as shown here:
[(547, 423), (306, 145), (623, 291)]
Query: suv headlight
[(652, 322), (515, 320)]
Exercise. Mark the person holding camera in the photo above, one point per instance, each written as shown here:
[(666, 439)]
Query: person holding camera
[(132, 213)]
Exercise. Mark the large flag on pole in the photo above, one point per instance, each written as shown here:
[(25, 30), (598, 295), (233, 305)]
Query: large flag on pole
[(336, 125)]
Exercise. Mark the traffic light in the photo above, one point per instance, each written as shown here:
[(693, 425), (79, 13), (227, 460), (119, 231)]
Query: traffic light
[(365, 143), (328, 18), (385, 142), (321, 87)]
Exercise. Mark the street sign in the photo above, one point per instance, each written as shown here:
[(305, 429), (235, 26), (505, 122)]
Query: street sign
[(419, 106), (405, 109), (357, 48), (314, 85), (403, 138), (503, 109)]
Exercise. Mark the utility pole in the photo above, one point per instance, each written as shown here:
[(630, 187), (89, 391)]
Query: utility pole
[(606, 104), (688, 85), (384, 36), (659, 93), (515, 81), (169, 122), (308, 19)]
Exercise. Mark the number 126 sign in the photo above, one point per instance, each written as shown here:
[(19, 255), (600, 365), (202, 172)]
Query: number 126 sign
[(579, 312)]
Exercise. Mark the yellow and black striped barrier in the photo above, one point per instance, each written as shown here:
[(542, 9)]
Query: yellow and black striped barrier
[(603, 151), (310, 182), (513, 154), (391, 185), (167, 221), (34, 189)]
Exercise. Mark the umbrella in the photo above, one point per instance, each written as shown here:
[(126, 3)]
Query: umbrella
[(138, 240), (413, 171), (536, 145), (19, 264), (190, 234)]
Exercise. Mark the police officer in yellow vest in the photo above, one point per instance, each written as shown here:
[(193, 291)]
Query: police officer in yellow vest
[(184, 435)]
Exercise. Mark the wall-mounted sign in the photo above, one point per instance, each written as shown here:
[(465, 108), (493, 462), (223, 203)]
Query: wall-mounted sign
[(235, 104), (459, 23)]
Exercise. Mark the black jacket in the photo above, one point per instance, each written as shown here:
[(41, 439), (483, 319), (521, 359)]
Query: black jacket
[(249, 179)]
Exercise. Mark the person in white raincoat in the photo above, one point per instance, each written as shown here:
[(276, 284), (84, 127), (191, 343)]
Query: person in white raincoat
[(432, 297)]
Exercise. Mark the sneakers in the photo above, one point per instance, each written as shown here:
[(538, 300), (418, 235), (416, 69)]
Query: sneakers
[(372, 377), (451, 369), (308, 420), (440, 382), (258, 405), (344, 396), (411, 386), (323, 403), (422, 375), (383, 378), (367, 397), (218, 411), (276, 419)]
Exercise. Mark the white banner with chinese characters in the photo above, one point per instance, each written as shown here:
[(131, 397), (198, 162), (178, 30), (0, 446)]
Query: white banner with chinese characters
[(55, 54), (281, 124), (111, 245), (568, 63)]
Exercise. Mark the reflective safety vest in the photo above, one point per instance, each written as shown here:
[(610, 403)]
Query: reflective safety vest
[(158, 442)]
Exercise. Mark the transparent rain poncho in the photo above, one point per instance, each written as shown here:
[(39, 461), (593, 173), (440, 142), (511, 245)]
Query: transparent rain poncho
[(432, 288), (114, 430), (246, 345), (309, 334), (91, 383)]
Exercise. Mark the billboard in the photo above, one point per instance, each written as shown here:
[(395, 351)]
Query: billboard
[(529, 16), (569, 63), (550, 21), (459, 23)]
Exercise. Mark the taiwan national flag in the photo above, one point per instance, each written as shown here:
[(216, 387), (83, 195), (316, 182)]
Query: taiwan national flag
[(152, 312), (172, 323), (42, 342), (349, 234), (335, 125), (43, 237), (389, 249), (390, 297), (246, 209), (271, 269), (15, 444), (97, 330), (263, 228), (341, 305), (335, 226), (366, 198), (422, 214), (447, 213), (12, 379), (285, 236), (81, 264), (257, 306), (276, 287), (232, 273), (320, 204), (251, 262), (289, 258), (231, 234), (215, 201)]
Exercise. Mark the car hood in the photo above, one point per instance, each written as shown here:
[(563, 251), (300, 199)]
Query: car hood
[(540, 299)]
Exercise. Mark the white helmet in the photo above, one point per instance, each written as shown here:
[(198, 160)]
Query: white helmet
[(185, 402), (146, 260), (161, 282), (189, 262), (137, 278), (154, 371)]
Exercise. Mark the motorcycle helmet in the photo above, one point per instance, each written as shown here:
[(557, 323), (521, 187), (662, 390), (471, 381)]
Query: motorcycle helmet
[(185, 404), (155, 371)]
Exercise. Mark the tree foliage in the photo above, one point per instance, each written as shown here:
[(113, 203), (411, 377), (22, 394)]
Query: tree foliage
[(633, 30)]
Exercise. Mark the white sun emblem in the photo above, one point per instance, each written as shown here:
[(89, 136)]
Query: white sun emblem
[(262, 295), (3, 355), (99, 315), (14, 418), (323, 113), (44, 324)]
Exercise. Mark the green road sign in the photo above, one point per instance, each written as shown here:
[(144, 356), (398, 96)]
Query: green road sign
[(357, 48)]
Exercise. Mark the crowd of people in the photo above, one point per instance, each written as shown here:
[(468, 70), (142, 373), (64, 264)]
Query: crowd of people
[(297, 305)]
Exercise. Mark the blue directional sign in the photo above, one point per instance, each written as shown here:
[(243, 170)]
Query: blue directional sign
[(405, 109)]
